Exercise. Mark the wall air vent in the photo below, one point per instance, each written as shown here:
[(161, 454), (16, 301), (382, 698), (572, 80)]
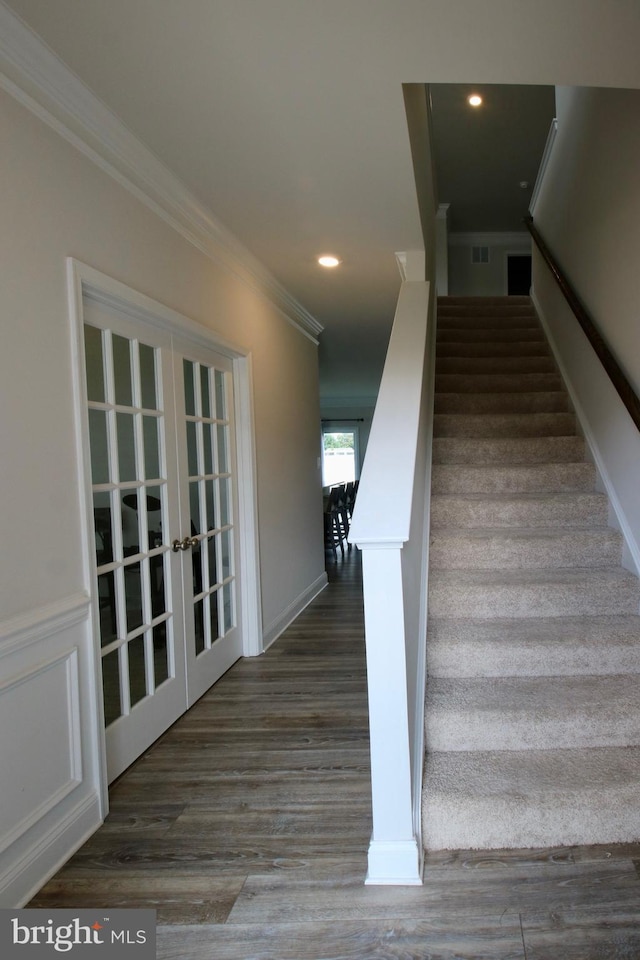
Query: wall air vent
[(479, 254)]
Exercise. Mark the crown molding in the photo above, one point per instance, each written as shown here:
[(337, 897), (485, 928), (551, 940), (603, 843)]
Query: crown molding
[(490, 239), (40, 81)]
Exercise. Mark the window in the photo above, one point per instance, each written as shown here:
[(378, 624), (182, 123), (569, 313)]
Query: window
[(339, 455), (479, 254)]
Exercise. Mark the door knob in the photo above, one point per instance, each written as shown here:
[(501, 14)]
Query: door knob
[(184, 544)]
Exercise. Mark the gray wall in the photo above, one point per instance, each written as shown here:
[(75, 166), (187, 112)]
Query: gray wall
[(482, 279), (589, 214), (56, 203)]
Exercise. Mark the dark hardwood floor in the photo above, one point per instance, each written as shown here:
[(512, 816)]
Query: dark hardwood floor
[(246, 827)]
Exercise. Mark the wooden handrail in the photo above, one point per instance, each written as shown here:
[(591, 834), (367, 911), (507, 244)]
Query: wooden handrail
[(616, 374)]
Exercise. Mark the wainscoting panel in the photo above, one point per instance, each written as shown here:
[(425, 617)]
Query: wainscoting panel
[(42, 707), (49, 745)]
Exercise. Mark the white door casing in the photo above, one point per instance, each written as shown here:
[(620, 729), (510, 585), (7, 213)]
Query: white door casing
[(180, 343)]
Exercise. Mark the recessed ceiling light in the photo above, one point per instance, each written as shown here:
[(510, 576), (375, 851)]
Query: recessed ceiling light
[(474, 100), (328, 260)]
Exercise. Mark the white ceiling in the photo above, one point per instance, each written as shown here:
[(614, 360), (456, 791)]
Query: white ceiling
[(286, 118)]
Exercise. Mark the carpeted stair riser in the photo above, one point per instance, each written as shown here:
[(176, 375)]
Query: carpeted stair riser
[(558, 592), (533, 478), (495, 365), (510, 452), (532, 713), (475, 403), (521, 510), (533, 646), (504, 425), (523, 321), (495, 335), (523, 549), (497, 383), (481, 348), (531, 798)]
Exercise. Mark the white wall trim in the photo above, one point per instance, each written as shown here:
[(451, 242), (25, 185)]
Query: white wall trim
[(45, 621), (68, 661), (394, 863), (631, 543), (295, 608), (125, 301), (423, 618), (43, 858), (488, 239), (40, 81), (250, 598), (412, 264), (401, 260)]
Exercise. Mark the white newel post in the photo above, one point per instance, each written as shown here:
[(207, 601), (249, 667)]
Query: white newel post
[(394, 854)]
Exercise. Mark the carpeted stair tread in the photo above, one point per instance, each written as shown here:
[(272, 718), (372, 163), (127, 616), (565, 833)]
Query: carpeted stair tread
[(513, 450), (530, 478), (521, 509), (559, 592), (533, 646), (503, 403), (504, 425), (532, 713), (489, 548), (531, 798)]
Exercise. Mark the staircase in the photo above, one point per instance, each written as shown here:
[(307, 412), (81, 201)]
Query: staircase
[(533, 644)]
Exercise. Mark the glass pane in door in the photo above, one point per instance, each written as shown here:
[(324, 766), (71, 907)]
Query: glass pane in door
[(208, 442), (126, 426)]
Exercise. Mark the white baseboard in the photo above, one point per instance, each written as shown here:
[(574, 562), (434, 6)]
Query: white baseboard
[(289, 614), (395, 863), (40, 859)]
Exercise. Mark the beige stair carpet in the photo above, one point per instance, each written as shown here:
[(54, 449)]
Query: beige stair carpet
[(533, 646)]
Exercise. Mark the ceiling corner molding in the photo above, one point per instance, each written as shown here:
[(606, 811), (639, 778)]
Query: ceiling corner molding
[(41, 81)]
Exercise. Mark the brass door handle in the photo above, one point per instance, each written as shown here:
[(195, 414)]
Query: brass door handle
[(184, 544)]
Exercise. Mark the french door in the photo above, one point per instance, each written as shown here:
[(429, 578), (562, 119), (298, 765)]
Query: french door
[(163, 478)]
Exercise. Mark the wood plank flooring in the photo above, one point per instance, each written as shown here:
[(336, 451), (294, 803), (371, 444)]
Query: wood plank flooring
[(246, 828)]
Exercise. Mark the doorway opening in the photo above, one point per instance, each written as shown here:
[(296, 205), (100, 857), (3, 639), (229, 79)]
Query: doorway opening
[(339, 455), (518, 274)]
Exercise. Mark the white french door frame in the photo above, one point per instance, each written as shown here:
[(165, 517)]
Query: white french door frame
[(83, 282)]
